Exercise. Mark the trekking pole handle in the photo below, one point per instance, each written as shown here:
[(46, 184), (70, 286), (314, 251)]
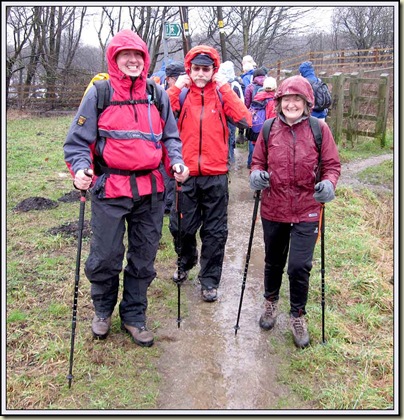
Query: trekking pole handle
[(179, 169), (86, 172)]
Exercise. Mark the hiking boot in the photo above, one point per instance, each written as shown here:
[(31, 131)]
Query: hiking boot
[(299, 331), (209, 295), (183, 275), (140, 335), (100, 327), (268, 318)]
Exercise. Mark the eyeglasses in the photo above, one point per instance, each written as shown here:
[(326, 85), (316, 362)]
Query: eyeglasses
[(205, 69)]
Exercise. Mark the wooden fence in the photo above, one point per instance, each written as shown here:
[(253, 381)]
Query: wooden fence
[(345, 61), (360, 106)]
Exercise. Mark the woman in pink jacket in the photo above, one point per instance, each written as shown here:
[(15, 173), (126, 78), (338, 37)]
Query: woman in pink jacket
[(285, 168)]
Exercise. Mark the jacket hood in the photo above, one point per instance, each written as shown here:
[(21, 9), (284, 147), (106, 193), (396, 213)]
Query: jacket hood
[(306, 69), (296, 85), (126, 40), (227, 68), (202, 49)]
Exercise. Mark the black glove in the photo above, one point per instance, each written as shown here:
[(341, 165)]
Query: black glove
[(324, 191), (259, 179)]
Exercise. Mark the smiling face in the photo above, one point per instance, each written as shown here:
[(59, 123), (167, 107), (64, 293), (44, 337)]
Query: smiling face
[(130, 62), (292, 107)]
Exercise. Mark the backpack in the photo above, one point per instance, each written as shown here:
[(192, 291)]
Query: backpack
[(258, 114), (102, 84), (315, 128), (322, 95)]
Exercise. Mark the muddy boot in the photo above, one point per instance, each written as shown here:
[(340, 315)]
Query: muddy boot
[(299, 331), (180, 277), (100, 327), (209, 295), (140, 335), (268, 318)]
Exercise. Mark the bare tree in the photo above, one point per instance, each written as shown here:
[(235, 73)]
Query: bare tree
[(364, 27)]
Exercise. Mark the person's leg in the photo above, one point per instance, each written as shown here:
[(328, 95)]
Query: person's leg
[(144, 233), (213, 231), (104, 262), (190, 223)]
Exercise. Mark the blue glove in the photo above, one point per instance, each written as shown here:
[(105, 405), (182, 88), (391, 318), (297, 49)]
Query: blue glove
[(324, 191), (259, 179)]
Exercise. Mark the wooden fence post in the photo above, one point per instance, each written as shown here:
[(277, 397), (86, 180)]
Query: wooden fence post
[(382, 108), (337, 111), (352, 121)]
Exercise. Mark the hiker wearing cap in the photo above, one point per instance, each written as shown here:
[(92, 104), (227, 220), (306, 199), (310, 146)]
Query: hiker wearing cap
[(285, 168), (173, 70), (118, 153), (209, 101)]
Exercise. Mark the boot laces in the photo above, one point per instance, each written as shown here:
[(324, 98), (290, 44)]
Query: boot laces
[(299, 326), (270, 308)]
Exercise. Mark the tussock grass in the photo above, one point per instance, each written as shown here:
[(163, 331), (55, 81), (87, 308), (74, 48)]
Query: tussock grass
[(353, 370)]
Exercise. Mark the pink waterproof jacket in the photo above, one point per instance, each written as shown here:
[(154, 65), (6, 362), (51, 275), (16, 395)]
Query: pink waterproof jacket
[(131, 136)]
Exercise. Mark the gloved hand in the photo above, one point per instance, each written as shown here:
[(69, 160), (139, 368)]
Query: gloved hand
[(259, 179), (324, 191)]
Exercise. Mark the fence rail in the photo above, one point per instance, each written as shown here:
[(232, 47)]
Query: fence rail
[(340, 60)]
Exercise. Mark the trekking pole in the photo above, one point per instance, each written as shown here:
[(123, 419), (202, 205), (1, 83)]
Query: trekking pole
[(322, 270), (247, 259), (77, 278), (179, 245)]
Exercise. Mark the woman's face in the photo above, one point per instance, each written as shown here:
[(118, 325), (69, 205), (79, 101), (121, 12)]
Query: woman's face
[(292, 107), (130, 62)]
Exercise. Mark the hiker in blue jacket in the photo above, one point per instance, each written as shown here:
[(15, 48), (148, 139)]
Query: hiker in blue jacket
[(306, 69)]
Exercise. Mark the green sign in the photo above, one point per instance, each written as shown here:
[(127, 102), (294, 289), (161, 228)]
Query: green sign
[(173, 30)]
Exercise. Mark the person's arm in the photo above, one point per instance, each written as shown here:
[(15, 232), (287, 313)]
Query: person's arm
[(330, 161)]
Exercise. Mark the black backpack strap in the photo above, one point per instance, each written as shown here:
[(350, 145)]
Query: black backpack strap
[(155, 93), (318, 138), (266, 128)]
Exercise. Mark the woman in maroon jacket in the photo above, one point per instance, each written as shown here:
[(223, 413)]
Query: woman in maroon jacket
[(285, 169)]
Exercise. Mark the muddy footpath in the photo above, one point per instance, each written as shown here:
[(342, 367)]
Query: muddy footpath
[(204, 364)]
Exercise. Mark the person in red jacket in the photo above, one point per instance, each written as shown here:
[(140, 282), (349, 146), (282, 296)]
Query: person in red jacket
[(285, 170), (208, 103), (118, 155)]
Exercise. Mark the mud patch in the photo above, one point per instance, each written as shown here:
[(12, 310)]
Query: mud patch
[(35, 203), (71, 229), (70, 197)]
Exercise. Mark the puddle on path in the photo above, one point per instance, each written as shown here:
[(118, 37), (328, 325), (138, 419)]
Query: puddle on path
[(204, 365)]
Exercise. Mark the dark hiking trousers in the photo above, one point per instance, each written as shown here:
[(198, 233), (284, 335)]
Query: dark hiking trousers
[(204, 202), (104, 264), (299, 239)]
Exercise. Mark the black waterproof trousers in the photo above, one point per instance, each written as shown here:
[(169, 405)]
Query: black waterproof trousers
[(109, 220), (299, 240), (203, 203)]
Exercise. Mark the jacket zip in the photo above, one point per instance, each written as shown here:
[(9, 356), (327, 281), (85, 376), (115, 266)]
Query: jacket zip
[(131, 98), (200, 131)]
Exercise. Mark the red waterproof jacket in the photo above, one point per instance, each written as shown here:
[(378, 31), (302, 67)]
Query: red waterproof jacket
[(202, 120), (131, 136)]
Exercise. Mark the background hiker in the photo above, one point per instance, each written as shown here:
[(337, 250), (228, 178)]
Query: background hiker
[(306, 69), (202, 123), (126, 142), (261, 107), (290, 208), (173, 70), (248, 66), (227, 69)]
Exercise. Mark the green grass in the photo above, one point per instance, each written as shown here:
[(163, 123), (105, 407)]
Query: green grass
[(353, 370)]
